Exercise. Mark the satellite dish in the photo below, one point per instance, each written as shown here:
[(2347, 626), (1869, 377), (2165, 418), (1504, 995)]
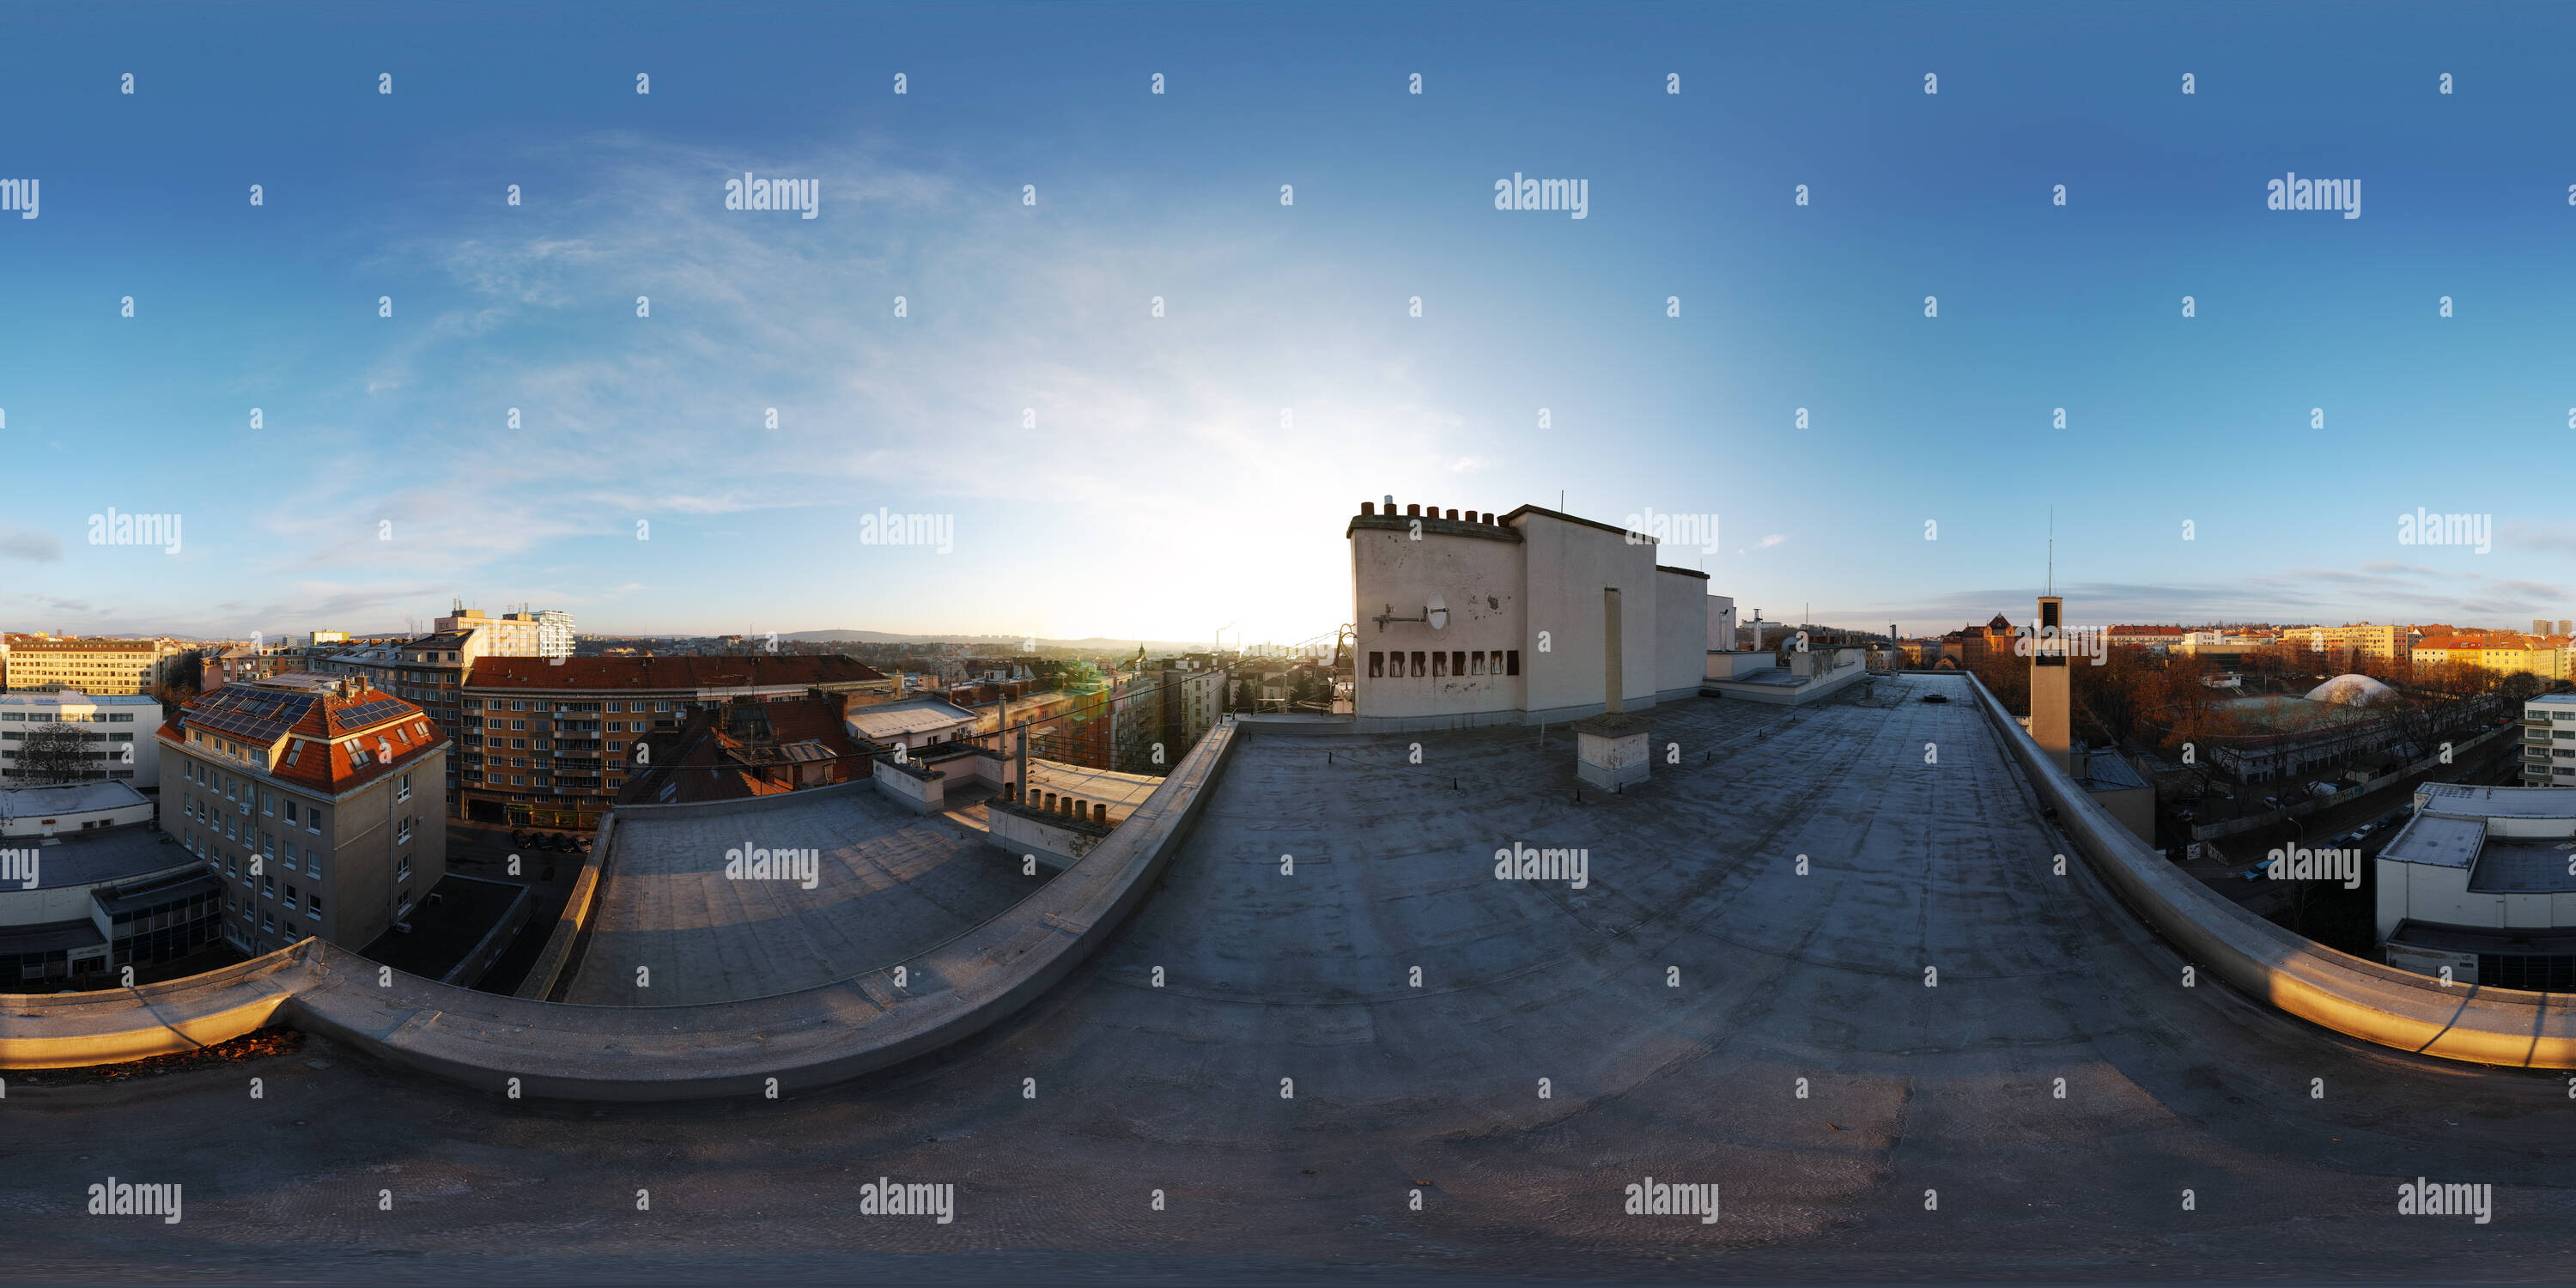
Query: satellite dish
[(1437, 612)]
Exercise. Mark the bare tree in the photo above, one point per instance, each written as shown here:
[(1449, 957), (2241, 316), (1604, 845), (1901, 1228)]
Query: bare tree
[(52, 753)]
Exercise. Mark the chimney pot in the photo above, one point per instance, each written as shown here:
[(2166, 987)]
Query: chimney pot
[(1412, 511), (1453, 514), (1489, 517), (1368, 507)]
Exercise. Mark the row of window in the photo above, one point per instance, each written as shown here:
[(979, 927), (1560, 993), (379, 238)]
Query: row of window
[(13, 735), (236, 790), (522, 704), (71, 717), (563, 726), (1445, 663)]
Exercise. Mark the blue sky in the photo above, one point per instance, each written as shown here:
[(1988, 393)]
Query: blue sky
[(1157, 495)]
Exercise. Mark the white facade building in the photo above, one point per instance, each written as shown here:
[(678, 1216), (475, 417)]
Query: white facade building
[(1476, 620), (2549, 741), (2478, 882), (116, 733)]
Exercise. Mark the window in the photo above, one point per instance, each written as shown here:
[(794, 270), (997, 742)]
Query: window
[(616, 706), (1476, 663), (660, 707), (402, 870), (290, 813), (518, 704), (1377, 665), (1439, 665), (1512, 662), (313, 906), (1458, 662), (268, 884), (402, 831), (519, 725), (313, 820), (1494, 662), (268, 804), (290, 896), (402, 788), (267, 920), (1417, 664)]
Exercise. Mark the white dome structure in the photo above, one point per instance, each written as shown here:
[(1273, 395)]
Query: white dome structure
[(2353, 690)]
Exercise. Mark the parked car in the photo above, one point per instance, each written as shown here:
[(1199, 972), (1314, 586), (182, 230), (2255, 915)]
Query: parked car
[(519, 837), (2185, 815), (1936, 697), (2272, 801)]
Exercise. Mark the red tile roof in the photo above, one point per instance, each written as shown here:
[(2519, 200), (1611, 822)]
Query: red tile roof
[(323, 732)]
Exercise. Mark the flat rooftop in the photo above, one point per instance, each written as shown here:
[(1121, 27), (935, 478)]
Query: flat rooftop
[(67, 798), (2499, 802), (90, 858), (889, 884), (2523, 866), (2437, 840)]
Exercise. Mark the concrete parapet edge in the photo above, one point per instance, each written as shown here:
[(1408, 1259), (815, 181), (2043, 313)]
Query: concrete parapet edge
[(2363, 999), (111, 1026), (802, 1040)]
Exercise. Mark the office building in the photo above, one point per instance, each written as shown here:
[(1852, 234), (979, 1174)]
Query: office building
[(115, 732)]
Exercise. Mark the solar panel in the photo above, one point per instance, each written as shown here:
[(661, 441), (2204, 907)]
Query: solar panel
[(364, 714)]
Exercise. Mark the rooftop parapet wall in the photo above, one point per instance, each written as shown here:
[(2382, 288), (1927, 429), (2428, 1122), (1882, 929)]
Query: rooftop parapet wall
[(2339, 991), (804, 1039)]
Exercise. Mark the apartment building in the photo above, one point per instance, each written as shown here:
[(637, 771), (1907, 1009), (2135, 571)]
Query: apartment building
[(547, 741), (107, 727), (429, 672), (2549, 741), (99, 667), (2547, 658), (318, 799), (2364, 639), (545, 632)]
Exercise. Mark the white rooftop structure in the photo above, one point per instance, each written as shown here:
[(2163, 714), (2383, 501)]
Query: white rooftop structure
[(913, 722), (2354, 690), (67, 799), (2480, 877)]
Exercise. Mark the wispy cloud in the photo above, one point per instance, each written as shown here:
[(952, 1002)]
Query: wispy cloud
[(24, 543)]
